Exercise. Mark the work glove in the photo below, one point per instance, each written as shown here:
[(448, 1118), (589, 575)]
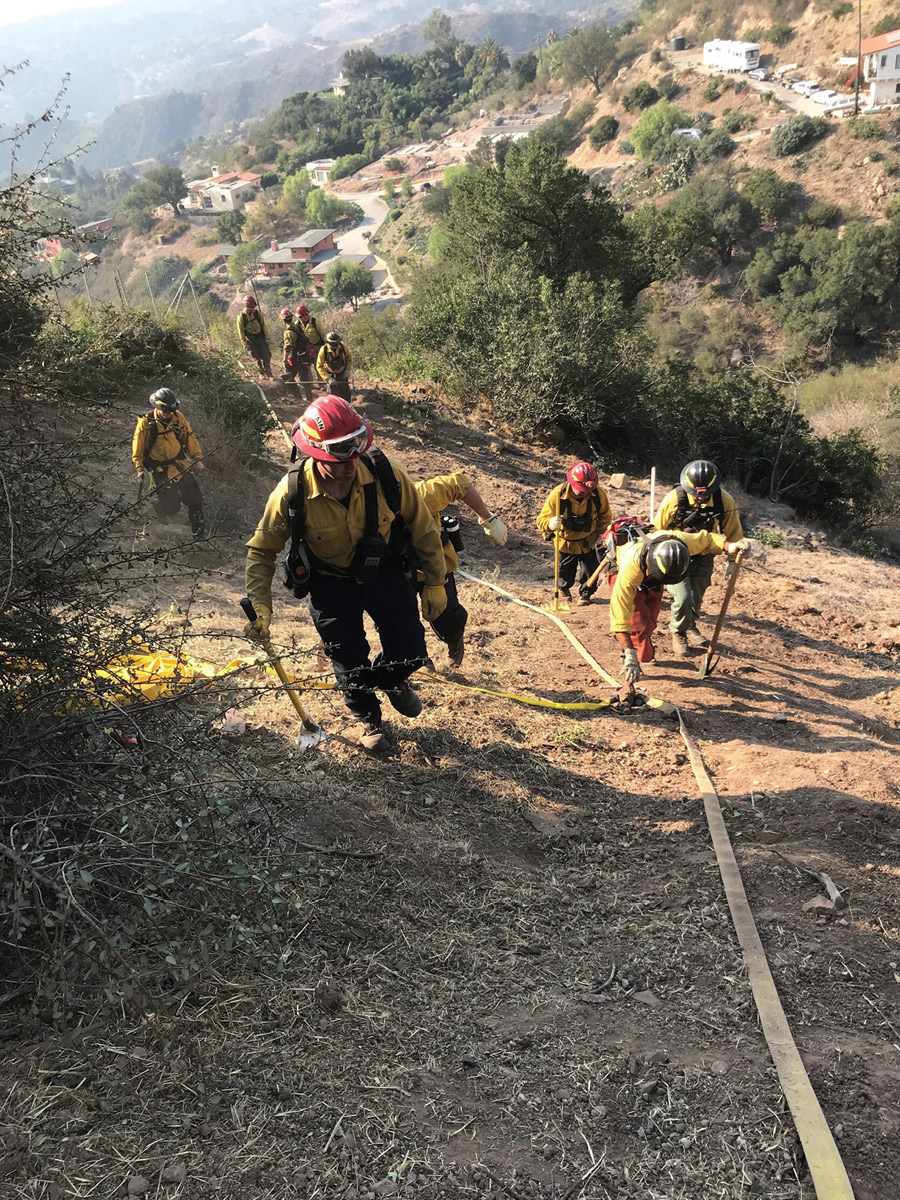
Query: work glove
[(199, 466), (495, 531), (434, 601), (258, 630), (142, 476), (554, 524), (732, 549), (631, 668)]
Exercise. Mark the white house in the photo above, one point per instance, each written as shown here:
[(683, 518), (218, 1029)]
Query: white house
[(881, 67), (731, 56), (319, 170), (223, 192)]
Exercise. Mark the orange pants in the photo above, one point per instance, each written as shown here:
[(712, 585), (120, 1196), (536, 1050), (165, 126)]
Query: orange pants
[(647, 604)]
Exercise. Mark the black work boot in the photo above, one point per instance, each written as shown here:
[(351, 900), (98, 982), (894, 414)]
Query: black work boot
[(405, 700)]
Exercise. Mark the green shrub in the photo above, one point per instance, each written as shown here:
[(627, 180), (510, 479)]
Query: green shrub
[(739, 86), (797, 133), (207, 237), (626, 146), (891, 168), (755, 33), (714, 146), (713, 89), (395, 214), (641, 96), (773, 538), (655, 55), (842, 10), (864, 128), (668, 87), (347, 164), (821, 214), (780, 34), (654, 127), (393, 164), (604, 131), (734, 121), (703, 120), (887, 24), (767, 190)]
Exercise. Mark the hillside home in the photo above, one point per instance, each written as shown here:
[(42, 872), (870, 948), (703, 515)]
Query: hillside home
[(281, 256), (881, 67), (319, 170), (222, 192), (319, 269), (339, 86)]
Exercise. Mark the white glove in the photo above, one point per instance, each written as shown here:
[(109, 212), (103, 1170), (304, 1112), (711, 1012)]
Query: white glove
[(631, 669), (199, 466), (495, 531), (142, 476), (555, 523), (733, 548)]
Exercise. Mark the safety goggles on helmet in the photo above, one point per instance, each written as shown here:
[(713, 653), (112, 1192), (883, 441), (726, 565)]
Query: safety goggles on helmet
[(348, 446)]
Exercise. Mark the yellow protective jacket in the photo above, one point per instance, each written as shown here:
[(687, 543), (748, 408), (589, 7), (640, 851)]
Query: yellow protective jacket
[(250, 323), (310, 330), (437, 493), (291, 342), (157, 447), (594, 514), (333, 530), (730, 525), (631, 574), (334, 362)]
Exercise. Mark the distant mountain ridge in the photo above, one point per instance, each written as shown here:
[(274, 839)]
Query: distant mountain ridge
[(156, 71)]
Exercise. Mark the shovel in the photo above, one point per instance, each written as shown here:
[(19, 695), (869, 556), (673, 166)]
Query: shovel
[(706, 667), (311, 734), (556, 606)]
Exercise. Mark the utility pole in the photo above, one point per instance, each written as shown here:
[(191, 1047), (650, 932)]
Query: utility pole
[(540, 42), (859, 65)]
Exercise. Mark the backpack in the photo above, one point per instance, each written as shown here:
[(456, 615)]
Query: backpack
[(372, 553), (630, 529), (155, 431), (584, 522), (692, 518)]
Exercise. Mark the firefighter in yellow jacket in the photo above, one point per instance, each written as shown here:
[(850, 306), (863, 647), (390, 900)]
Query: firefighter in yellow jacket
[(651, 561), (698, 503), (164, 446), (579, 511), (252, 331), (437, 494), (333, 363), (351, 520)]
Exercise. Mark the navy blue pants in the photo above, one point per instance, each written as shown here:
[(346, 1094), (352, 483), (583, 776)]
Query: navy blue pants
[(452, 621), (337, 606), (584, 565)]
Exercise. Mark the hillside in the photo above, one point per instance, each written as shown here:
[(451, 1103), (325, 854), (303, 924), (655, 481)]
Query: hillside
[(427, 1032)]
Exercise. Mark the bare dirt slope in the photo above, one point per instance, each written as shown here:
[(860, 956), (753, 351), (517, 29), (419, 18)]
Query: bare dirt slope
[(532, 980)]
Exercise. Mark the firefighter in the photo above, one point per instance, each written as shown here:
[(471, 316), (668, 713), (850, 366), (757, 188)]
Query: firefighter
[(641, 566), (438, 493), (578, 510), (698, 503), (333, 364), (290, 347), (165, 447), (308, 327), (252, 331), (352, 520)]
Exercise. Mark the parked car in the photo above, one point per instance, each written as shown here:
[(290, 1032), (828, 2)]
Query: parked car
[(825, 96), (693, 134), (806, 87), (759, 73)]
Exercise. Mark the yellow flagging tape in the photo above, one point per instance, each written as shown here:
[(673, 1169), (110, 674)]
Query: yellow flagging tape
[(828, 1173)]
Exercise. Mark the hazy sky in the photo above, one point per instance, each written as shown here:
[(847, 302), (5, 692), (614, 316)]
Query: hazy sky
[(11, 12)]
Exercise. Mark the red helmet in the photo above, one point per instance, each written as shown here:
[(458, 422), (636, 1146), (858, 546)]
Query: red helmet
[(302, 311), (331, 431), (286, 314), (582, 478), (249, 302)]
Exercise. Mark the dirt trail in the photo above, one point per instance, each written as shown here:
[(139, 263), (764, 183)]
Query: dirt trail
[(536, 980)]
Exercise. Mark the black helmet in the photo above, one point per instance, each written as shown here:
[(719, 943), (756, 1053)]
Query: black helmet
[(700, 479), (668, 559), (332, 338), (166, 399)]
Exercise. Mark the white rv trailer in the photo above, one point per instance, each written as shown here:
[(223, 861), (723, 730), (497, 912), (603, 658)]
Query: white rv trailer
[(731, 56)]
